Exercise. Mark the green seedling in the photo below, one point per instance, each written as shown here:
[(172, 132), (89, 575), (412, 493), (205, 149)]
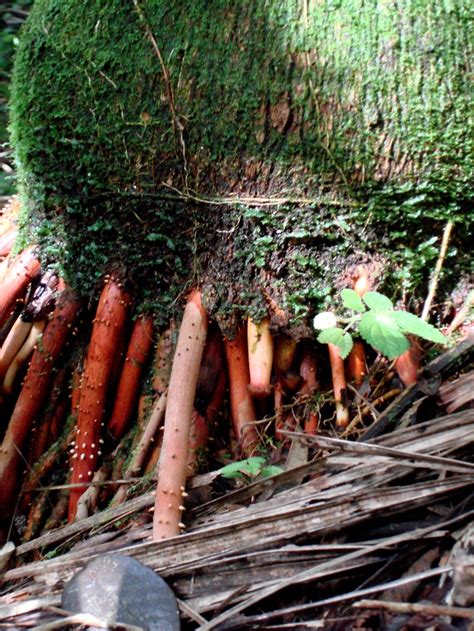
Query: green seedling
[(249, 469), (377, 322)]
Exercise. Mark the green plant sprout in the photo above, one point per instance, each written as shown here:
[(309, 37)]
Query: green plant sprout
[(249, 469), (377, 322)]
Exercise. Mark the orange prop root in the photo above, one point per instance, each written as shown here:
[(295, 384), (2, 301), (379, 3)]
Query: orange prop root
[(242, 409), (356, 363), (16, 280), (308, 372), (339, 385), (172, 468), (108, 329), (33, 395), (408, 364), (198, 438), (22, 356), (138, 351), (163, 356), (260, 357), (12, 344)]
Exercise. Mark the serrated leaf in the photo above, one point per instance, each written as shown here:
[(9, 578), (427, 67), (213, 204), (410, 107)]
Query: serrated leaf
[(410, 323), (376, 301), (337, 337), (248, 467), (324, 320), (380, 330), (352, 300), (330, 336)]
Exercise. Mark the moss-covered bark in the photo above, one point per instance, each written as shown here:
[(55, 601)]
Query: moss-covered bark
[(362, 103)]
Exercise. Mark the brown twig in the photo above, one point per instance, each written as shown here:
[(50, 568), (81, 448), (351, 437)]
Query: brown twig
[(371, 408), (149, 436), (177, 124), (437, 271)]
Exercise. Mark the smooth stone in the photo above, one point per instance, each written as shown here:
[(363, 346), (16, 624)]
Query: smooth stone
[(118, 589)]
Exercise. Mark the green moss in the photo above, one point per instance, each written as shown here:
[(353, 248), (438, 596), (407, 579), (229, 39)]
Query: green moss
[(368, 99)]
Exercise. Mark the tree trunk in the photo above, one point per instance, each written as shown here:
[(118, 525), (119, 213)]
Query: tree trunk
[(158, 125)]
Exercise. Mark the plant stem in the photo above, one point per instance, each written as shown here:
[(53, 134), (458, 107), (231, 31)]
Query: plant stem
[(437, 271)]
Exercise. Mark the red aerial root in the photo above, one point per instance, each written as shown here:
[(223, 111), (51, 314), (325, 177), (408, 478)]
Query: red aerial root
[(408, 364), (108, 329), (339, 385), (308, 372), (242, 409), (260, 357), (12, 344), (16, 280), (198, 438), (33, 395), (172, 469), (6, 242), (163, 357), (357, 363), (138, 351)]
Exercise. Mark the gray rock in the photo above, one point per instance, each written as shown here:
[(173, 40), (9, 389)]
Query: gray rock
[(119, 589)]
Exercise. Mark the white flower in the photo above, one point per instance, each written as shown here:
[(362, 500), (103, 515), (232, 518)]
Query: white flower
[(324, 320)]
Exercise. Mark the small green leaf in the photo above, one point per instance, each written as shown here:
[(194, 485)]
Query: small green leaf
[(352, 300), (376, 301), (330, 336), (324, 320), (254, 465), (380, 330), (270, 470), (338, 338), (229, 472), (249, 467), (410, 323)]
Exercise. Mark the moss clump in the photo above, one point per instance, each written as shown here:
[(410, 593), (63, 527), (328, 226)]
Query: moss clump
[(365, 98)]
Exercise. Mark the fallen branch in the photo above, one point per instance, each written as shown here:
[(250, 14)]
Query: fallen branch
[(429, 379), (87, 503)]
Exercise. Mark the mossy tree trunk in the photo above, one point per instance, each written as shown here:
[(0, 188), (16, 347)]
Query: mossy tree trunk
[(299, 125)]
